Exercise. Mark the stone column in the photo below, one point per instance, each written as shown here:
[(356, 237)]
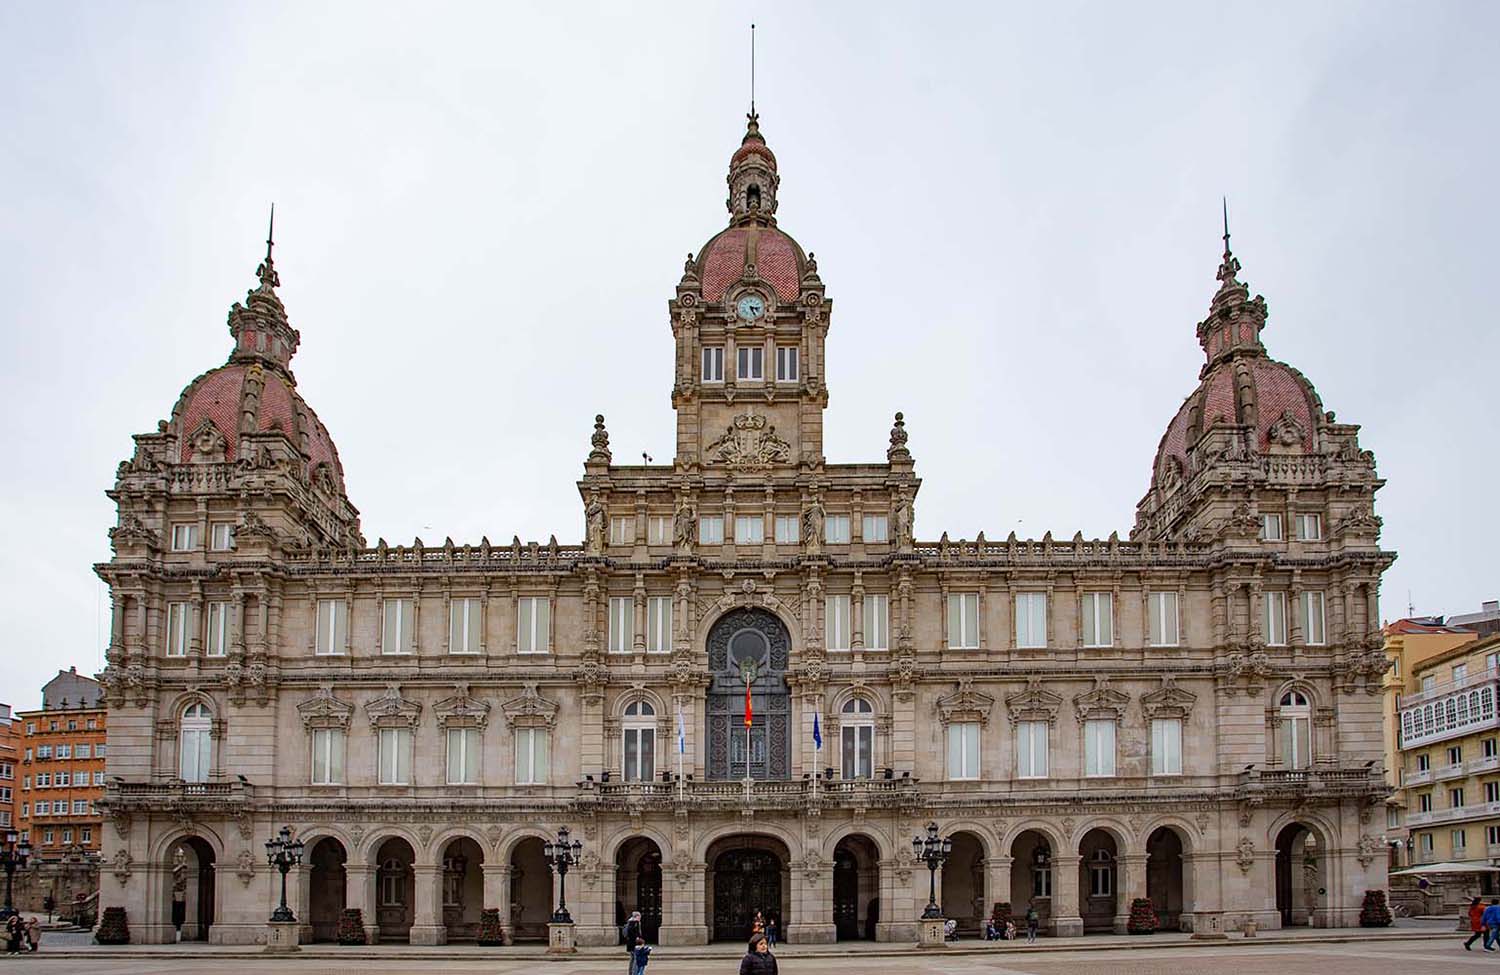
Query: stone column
[(299, 898), (427, 922), (682, 904), (497, 889), (997, 882), (1130, 883), (1066, 920), (359, 882), (595, 910), (812, 903)]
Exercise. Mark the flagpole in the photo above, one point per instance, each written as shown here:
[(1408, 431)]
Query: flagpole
[(681, 745)]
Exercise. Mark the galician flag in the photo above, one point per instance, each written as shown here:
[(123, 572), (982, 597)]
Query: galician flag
[(817, 733), (681, 732)]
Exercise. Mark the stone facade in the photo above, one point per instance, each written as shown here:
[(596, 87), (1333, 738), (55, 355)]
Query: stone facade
[(1191, 713)]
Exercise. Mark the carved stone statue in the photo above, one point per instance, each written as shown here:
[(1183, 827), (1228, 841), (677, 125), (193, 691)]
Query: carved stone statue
[(902, 518), (812, 527), (684, 528), (594, 520)]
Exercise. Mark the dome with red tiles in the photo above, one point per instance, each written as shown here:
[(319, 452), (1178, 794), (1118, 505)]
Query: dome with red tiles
[(777, 258)]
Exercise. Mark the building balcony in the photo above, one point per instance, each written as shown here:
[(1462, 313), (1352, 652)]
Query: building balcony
[(1418, 777), (1460, 814), (1478, 765), (120, 796), (1464, 708), (1282, 783), (784, 794), (1447, 687), (1456, 771)]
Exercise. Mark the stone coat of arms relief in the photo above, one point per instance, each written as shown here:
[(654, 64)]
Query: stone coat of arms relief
[(750, 443)]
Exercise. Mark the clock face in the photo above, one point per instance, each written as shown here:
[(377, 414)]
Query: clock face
[(751, 307)]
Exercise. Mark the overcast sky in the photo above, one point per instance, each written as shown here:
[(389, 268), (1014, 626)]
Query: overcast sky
[(482, 211)]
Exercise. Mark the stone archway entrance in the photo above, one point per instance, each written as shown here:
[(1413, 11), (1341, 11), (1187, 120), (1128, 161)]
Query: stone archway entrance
[(758, 638), (395, 889), (962, 896), (463, 888), (638, 885), (1031, 876), (856, 888), (1098, 880), (190, 895), (326, 888), (1299, 876), (530, 891), (1166, 881), (747, 874)]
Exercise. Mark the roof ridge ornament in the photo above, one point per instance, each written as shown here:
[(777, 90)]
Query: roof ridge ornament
[(267, 270)]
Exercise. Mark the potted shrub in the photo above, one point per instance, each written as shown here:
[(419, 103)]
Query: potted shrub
[(113, 930), (1374, 912), (351, 927), (1142, 917), (490, 932)]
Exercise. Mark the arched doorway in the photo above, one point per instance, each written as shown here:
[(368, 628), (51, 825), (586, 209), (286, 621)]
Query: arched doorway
[(190, 895), (530, 891), (463, 888), (326, 897), (758, 639), (1299, 876), (1166, 882), (962, 897), (1031, 876), (638, 885), (395, 889), (856, 888), (1098, 880), (748, 874)]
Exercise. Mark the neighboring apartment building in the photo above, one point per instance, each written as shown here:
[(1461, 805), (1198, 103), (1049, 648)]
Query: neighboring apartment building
[(10, 762), (1410, 643), (62, 769), (1486, 622)]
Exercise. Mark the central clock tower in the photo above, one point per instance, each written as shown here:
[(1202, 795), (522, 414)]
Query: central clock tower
[(750, 319)]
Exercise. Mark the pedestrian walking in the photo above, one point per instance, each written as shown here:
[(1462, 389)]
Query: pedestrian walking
[(629, 935), (771, 931), (33, 935), (758, 959), (1491, 921), (642, 953), (1033, 921), (1476, 922), (15, 930)]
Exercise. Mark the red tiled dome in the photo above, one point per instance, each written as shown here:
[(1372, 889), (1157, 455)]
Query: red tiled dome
[(756, 146), (777, 258)]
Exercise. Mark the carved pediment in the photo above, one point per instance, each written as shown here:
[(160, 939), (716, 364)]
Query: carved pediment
[(462, 710), (1287, 431), (323, 710), (750, 443), (208, 444), (1033, 704), (965, 704), (1168, 701), (1103, 702), (393, 710), (530, 709)]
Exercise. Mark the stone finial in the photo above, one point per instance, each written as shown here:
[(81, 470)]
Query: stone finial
[(897, 450), (600, 440)]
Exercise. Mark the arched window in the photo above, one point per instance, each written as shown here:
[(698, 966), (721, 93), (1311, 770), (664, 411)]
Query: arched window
[(1296, 731), (857, 738), (752, 197), (639, 747), (196, 743)]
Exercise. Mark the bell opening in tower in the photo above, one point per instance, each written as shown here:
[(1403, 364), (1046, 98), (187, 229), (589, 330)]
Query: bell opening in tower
[(752, 197)]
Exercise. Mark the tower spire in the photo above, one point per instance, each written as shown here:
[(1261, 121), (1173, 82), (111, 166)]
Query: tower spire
[(1225, 201), (267, 270), (752, 71)]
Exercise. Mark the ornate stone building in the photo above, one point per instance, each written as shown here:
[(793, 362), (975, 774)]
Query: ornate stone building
[(1191, 714)]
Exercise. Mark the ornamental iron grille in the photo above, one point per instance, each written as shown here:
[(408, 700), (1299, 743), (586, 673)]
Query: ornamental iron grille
[(756, 639)]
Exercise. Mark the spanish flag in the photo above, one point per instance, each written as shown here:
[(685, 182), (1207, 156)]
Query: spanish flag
[(748, 711)]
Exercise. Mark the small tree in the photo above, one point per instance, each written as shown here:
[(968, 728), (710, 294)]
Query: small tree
[(1142, 917), (351, 927), (1374, 913), (113, 930), (490, 932)]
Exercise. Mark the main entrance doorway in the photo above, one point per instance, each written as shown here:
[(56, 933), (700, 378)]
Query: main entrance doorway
[(747, 874)]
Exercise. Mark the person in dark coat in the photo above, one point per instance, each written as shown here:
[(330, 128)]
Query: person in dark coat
[(15, 932), (758, 959), (630, 934)]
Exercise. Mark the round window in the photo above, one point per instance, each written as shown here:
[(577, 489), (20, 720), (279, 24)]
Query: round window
[(749, 647)]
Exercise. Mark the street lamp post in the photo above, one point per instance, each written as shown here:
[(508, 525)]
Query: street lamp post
[(561, 855), (13, 855), (283, 853), (932, 850)]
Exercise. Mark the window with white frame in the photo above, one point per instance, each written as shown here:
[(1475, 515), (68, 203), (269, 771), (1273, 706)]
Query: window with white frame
[(394, 756), (1166, 746), (1031, 749), (638, 750), (877, 621), (328, 756), (177, 629), (836, 530), (533, 624), (1456, 798), (836, 620), (1314, 631), (48, 837), (621, 624), (195, 743), (463, 756), (184, 537), (658, 624), (1275, 621), (1031, 619), (396, 634), (659, 530), (221, 536), (333, 627), (1460, 840), (749, 529), (64, 779), (857, 739), (1492, 835), (67, 835), (963, 750), (531, 756), (1309, 527), (751, 362), (1098, 619), (788, 529), (1098, 747), (1459, 672), (1101, 874), (98, 778), (711, 530), (874, 529), (64, 751), (786, 364), (713, 364), (1162, 607), (621, 530), (465, 614), (1296, 719), (86, 834), (217, 644), (963, 620), (1270, 527)]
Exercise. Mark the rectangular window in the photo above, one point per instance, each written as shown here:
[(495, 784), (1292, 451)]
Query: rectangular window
[(43, 780), (98, 751), (1031, 619), (788, 529), (1166, 746), (221, 536), (1487, 748), (1270, 528), (463, 756), (1163, 609), (327, 756), (1429, 682), (1031, 749), (1492, 835), (396, 634), (640, 753), (711, 530), (1423, 762), (1309, 527), (464, 617), (873, 528), (1424, 842), (64, 751), (621, 530), (1098, 748), (752, 364), (659, 624), (1460, 840), (621, 624), (659, 530), (64, 779), (1460, 672), (43, 751), (713, 364), (963, 620), (531, 756), (836, 620), (877, 621), (786, 364), (333, 626), (1312, 618), (98, 778), (43, 808), (533, 624), (86, 834), (963, 750), (1455, 754), (47, 837), (1424, 802), (1456, 798), (67, 836), (749, 529), (177, 636), (1098, 619), (857, 750), (836, 530), (395, 756), (1492, 792), (217, 644), (184, 538), (1275, 619)]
